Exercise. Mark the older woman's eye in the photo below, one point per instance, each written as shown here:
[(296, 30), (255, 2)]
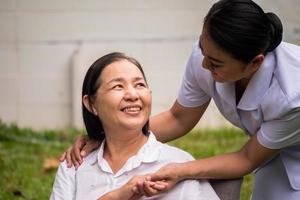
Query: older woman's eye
[(119, 86), (140, 85)]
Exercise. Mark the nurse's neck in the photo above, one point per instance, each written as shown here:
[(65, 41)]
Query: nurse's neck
[(240, 87)]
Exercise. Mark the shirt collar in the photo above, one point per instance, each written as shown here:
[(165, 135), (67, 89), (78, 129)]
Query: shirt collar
[(258, 85), (227, 92), (255, 90), (149, 153)]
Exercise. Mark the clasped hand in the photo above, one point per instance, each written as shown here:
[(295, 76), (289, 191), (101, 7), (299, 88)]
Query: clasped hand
[(137, 187), (147, 185), (159, 182)]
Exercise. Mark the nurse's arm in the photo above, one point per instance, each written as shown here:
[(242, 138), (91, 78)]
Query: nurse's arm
[(231, 165), (176, 122), (226, 166)]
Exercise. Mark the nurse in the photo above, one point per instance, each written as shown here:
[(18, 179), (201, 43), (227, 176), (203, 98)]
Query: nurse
[(242, 64)]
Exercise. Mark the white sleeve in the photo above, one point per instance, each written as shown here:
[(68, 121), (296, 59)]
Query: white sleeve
[(191, 190), (64, 184), (282, 132), (190, 93)]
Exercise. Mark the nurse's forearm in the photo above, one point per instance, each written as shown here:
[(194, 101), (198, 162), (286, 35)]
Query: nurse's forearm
[(225, 166), (231, 165)]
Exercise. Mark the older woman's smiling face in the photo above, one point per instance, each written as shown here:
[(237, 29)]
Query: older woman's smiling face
[(123, 99)]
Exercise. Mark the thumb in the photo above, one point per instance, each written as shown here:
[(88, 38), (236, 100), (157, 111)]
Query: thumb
[(158, 176)]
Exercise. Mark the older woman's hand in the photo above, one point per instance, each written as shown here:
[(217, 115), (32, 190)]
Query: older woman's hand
[(127, 191)]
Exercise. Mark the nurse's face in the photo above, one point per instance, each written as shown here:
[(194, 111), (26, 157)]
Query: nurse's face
[(123, 100), (222, 66)]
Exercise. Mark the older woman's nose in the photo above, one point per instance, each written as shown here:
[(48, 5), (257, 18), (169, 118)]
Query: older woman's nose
[(131, 93)]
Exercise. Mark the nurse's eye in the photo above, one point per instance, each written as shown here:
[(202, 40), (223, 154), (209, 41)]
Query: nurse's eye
[(214, 65)]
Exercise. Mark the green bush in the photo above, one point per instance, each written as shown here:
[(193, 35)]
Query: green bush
[(23, 151)]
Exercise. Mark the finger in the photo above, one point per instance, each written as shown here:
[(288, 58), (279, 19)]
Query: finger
[(77, 146), (69, 159), (135, 190), (160, 185), (148, 178), (157, 177), (62, 157), (140, 187), (74, 161), (149, 190), (90, 146)]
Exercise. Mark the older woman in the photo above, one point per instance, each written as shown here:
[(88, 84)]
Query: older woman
[(116, 105)]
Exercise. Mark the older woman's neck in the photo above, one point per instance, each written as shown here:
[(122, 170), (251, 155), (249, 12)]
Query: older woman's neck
[(120, 147)]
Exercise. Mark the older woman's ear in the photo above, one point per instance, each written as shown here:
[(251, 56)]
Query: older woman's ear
[(87, 104)]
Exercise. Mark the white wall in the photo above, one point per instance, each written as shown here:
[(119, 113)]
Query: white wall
[(45, 47)]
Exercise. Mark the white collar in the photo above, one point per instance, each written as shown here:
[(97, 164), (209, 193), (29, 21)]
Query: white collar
[(258, 85), (148, 153)]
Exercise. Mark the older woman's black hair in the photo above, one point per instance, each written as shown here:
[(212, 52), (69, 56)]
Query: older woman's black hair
[(91, 83), (243, 29)]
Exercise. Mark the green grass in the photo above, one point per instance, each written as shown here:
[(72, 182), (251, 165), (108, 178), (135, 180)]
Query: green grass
[(22, 153)]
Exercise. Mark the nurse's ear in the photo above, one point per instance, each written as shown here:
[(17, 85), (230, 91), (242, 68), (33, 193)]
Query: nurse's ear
[(257, 61), (88, 105)]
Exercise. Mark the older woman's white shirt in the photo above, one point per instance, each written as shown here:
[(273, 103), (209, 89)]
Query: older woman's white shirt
[(95, 177)]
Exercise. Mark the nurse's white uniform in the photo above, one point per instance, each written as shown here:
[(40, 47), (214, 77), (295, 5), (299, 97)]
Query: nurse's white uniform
[(270, 107)]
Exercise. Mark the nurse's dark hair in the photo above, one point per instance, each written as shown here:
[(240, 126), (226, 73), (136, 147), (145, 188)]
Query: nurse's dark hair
[(92, 82), (243, 29)]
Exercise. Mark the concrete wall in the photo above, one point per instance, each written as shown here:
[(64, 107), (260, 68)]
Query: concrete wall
[(46, 46)]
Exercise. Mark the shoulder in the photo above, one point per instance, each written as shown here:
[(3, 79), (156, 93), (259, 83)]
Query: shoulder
[(288, 50), (287, 71), (195, 61), (283, 94), (88, 161), (64, 169), (277, 102), (174, 154), (64, 179), (165, 152), (197, 81)]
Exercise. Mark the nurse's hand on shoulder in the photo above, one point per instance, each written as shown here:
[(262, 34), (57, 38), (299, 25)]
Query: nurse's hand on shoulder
[(81, 148)]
